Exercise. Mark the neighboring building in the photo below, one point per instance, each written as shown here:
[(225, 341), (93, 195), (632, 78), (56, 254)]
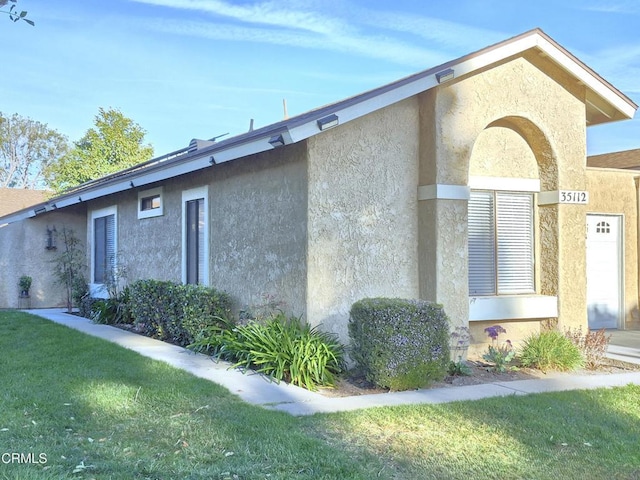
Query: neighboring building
[(465, 184), (14, 199), (627, 159)]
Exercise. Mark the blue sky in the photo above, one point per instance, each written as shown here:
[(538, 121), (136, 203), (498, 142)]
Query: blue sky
[(187, 69)]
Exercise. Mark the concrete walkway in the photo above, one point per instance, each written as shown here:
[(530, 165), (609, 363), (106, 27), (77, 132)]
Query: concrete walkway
[(258, 390)]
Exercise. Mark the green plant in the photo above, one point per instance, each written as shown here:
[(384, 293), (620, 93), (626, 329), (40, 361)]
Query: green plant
[(459, 340), (399, 344), (113, 310), (499, 354), (174, 312), (593, 345), (69, 266), (550, 350), (282, 348), (25, 284), (93, 403), (269, 306)]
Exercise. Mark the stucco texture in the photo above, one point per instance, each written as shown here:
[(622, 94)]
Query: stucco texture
[(23, 253), (258, 229), (362, 222), (615, 192), (257, 226), (522, 118)]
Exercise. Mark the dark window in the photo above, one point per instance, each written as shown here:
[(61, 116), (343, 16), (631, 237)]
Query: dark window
[(195, 241), (104, 248), (150, 203)]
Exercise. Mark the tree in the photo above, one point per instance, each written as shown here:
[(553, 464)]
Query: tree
[(27, 148), (69, 267), (15, 15), (114, 144)]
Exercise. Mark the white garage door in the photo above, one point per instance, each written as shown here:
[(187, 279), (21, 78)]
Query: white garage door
[(604, 268)]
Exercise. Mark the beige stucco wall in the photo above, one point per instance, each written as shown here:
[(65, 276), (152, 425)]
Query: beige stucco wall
[(362, 222), (23, 252), (615, 192), (148, 247), (257, 229), (539, 115)]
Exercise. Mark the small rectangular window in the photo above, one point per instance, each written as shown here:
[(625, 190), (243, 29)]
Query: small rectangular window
[(150, 203)]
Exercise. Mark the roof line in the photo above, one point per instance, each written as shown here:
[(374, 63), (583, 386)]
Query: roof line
[(313, 122)]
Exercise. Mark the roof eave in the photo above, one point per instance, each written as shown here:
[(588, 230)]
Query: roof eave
[(604, 103)]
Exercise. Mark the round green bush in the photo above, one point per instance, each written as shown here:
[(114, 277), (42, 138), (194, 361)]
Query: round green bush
[(550, 351), (399, 344)]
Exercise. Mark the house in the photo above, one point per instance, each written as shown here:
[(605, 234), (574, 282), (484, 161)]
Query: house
[(465, 184), (626, 159), (14, 199)]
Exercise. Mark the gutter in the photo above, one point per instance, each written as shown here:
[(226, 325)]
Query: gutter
[(306, 125)]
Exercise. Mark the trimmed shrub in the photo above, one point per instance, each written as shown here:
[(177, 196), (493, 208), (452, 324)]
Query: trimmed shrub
[(174, 312), (399, 344), (550, 350), (281, 348)]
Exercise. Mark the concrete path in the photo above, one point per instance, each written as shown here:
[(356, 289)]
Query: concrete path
[(258, 390), (624, 345)]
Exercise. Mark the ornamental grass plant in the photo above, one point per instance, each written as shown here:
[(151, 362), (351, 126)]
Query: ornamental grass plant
[(284, 349), (550, 350)]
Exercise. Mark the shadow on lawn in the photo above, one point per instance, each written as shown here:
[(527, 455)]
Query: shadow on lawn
[(568, 435)]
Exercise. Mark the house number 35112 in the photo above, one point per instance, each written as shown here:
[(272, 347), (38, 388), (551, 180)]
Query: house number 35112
[(574, 196)]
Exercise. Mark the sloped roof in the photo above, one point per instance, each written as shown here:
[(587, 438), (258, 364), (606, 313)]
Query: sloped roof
[(14, 199), (604, 103), (628, 159)]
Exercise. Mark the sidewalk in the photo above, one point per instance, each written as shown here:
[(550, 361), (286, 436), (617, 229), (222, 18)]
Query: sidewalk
[(258, 390)]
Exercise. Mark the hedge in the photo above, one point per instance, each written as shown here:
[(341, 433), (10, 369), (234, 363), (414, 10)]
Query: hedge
[(399, 344), (175, 312)]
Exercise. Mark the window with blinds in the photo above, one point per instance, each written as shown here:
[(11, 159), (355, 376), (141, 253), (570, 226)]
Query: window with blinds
[(195, 241), (501, 243), (104, 248), (195, 236)]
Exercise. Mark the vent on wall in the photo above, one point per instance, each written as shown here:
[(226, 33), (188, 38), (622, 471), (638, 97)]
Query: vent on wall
[(197, 144)]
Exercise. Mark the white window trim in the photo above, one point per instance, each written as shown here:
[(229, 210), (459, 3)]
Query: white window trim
[(155, 212), (512, 307), (187, 195), (505, 183), (99, 290), (443, 192)]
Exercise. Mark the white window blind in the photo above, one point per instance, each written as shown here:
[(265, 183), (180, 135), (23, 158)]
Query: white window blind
[(501, 243), (105, 248), (482, 244), (195, 241)]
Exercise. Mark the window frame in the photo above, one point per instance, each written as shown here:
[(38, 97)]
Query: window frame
[(499, 265), (99, 290), (187, 196), (152, 212)]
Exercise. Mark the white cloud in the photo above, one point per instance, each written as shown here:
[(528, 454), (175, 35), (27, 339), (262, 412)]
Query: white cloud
[(360, 31), (452, 35), (628, 7)]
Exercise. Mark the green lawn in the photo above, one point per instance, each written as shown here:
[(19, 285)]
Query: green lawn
[(109, 413)]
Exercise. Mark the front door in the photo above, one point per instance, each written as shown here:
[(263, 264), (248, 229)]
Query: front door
[(604, 271)]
